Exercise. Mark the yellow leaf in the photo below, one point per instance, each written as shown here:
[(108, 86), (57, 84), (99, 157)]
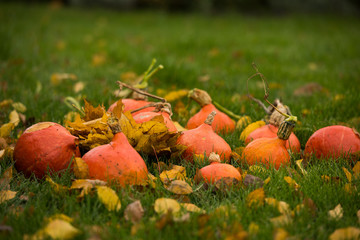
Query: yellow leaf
[(336, 213), (6, 129), (109, 198), (57, 78), (60, 216), (253, 228), (243, 122), (165, 205), (179, 127), (60, 229), (267, 180), (348, 174), (6, 178), (176, 95), (5, 103), (256, 198), (349, 188), (79, 86), (257, 169), (18, 106), (280, 234), (191, 208), (176, 173), (179, 187), (250, 128), (151, 180), (281, 220), (81, 169), (345, 233), (98, 59), (14, 118), (56, 187), (356, 170), (292, 183), (282, 206), (6, 195), (92, 112), (299, 164)]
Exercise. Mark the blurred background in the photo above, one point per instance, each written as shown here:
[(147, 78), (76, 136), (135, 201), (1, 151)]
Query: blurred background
[(219, 6)]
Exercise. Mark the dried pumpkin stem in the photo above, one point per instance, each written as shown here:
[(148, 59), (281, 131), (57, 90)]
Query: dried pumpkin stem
[(210, 118), (260, 104), (227, 111), (114, 124), (200, 96), (121, 84)]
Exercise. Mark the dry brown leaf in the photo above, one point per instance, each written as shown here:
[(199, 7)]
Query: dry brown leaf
[(336, 213), (310, 205), (252, 181), (179, 187), (165, 205), (256, 198), (80, 168), (109, 198), (6, 195), (6, 179), (345, 234), (134, 212), (309, 89)]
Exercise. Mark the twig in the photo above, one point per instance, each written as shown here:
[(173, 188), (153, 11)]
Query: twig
[(121, 84), (260, 103)]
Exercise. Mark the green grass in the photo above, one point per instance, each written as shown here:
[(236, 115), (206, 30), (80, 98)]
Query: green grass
[(289, 50)]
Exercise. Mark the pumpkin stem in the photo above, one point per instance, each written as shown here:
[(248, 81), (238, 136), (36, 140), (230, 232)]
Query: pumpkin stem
[(226, 111), (121, 85), (210, 118), (285, 129), (159, 106), (200, 96), (214, 158)]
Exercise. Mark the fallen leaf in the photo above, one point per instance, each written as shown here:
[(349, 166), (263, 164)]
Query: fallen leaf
[(134, 212), (183, 218), (14, 118), (253, 229), (204, 78), (300, 166), (57, 229), (226, 183), (252, 181), (358, 216), (6, 179), (267, 180), (98, 59), (179, 128), (60, 216), (345, 233), (80, 168), (309, 89), (6, 195), (348, 174), (281, 220), (165, 205), (213, 52), (5, 228), (176, 95), (179, 187), (5, 129), (19, 107), (165, 219), (292, 183), (280, 234), (191, 208), (250, 128), (310, 205), (176, 173), (55, 186), (79, 86), (356, 170), (109, 198), (57, 78), (336, 213), (256, 198)]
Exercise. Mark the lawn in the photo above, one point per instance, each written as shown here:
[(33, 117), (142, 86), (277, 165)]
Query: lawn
[(214, 53)]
